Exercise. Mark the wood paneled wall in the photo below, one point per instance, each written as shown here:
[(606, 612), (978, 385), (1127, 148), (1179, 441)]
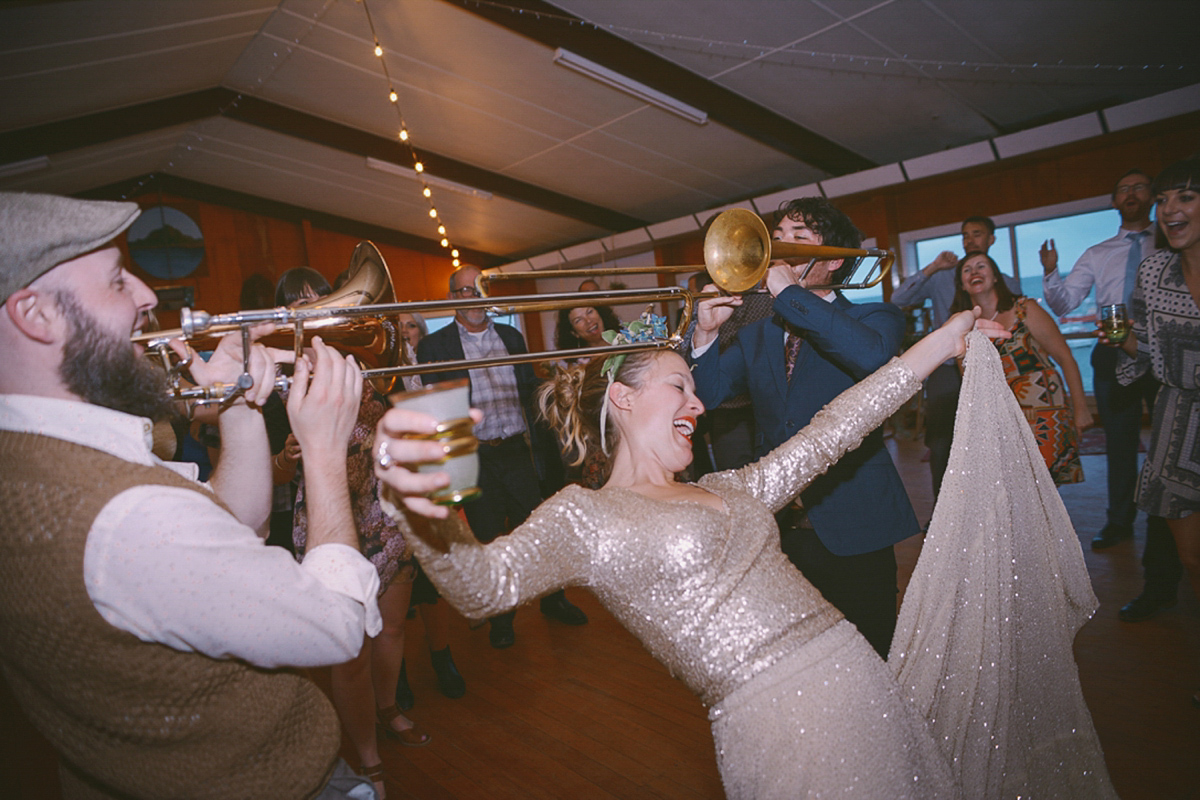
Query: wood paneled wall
[(238, 244), (1057, 175), (1062, 174)]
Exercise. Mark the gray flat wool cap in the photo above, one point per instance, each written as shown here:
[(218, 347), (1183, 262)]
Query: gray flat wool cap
[(40, 231)]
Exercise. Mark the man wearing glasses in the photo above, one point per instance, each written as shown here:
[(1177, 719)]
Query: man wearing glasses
[(1111, 266), (507, 475)]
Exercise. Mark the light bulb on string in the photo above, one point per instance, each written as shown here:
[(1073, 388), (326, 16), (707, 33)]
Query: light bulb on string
[(454, 252), (403, 135), (455, 262)]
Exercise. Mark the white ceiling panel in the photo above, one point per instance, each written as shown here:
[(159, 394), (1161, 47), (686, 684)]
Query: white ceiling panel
[(796, 91)]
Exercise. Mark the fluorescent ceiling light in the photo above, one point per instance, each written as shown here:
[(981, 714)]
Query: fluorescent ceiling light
[(425, 177), (21, 167), (565, 58)]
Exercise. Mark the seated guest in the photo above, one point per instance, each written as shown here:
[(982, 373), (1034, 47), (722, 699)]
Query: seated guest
[(1057, 418), (144, 627)]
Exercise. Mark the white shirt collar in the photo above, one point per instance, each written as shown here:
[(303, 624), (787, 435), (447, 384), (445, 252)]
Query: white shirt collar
[(114, 432)]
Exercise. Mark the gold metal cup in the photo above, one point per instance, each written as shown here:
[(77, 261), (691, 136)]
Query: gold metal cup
[(450, 403)]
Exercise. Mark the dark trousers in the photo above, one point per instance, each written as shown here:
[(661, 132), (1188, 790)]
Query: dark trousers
[(941, 405), (509, 486), (863, 587), (1120, 410)]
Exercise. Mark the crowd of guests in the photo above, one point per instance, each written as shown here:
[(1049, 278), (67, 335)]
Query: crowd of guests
[(344, 579)]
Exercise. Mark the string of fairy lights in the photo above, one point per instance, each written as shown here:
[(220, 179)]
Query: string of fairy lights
[(405, 140)]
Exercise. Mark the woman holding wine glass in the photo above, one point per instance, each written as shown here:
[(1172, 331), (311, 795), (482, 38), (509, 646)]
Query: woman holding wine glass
[(1165, 339)]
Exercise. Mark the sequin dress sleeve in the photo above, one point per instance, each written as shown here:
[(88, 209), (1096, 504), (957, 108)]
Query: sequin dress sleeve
[(707, 592), (838, 428)]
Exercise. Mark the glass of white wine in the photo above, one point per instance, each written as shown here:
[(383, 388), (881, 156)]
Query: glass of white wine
[(1114, 323)]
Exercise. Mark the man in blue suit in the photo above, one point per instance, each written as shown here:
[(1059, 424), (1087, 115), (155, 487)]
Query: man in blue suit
[(816, 345)]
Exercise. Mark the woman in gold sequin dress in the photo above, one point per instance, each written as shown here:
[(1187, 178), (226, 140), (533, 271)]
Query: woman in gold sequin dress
[(800, 704)]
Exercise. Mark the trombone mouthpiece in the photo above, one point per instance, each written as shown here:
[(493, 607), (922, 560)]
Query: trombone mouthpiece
[(193, 322)]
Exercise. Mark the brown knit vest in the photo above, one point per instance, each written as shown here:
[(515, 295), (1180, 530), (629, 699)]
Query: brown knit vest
[(137, 719)]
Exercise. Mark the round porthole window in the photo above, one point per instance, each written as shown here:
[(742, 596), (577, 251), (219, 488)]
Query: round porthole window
[(166, 243)]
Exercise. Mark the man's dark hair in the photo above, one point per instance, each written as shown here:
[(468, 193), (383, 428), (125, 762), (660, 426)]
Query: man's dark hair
[(830, 223), (984, 221)]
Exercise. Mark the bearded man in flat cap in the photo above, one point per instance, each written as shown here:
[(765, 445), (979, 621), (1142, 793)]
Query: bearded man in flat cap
[(144, 626)]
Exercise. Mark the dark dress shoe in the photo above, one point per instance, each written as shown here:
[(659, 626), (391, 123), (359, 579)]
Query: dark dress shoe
[(404, 695), (557, 606), (450, 682), (500, 632), (1112, 534), (1145, 606)]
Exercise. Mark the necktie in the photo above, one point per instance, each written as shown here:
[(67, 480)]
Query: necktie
[(791, 350), (1131, 265)]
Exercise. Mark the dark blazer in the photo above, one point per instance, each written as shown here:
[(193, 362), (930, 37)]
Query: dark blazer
[(445, 344), (860, 504)]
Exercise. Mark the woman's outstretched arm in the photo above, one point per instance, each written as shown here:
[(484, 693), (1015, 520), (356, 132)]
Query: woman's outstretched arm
[(843, 424)]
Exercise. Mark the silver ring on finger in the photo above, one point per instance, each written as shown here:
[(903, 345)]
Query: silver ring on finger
[(382, 457)]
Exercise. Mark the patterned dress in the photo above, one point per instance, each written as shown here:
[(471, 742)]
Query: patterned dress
[(1166, 322), (1042, 395), (378, 537)]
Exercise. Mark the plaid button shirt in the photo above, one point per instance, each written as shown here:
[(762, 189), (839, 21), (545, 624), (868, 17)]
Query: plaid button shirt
[(493, 389)]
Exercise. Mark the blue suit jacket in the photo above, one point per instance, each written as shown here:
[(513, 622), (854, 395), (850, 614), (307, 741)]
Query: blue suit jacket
[(860, 504)]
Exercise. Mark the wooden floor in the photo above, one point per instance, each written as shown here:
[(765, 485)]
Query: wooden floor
[(586, 713)]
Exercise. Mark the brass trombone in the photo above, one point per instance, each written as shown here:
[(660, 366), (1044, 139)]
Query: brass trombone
[(737, 251)]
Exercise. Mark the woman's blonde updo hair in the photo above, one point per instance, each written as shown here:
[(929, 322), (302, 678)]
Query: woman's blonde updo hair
[(571, 402)]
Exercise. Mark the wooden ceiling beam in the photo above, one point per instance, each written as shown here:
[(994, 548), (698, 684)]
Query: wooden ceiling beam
[(554, 27)]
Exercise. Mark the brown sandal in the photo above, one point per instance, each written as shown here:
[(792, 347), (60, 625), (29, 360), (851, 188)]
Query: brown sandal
[(409, 737), (374, 774)]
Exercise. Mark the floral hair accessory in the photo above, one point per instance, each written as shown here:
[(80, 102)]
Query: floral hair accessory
[(649, 327)]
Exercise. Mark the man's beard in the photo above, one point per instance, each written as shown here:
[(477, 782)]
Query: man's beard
[(102, 368)]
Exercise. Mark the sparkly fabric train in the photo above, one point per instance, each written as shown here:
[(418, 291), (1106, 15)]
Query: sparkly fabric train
[(983, 643)]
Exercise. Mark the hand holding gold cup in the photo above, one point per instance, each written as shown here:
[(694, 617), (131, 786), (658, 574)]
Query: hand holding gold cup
[(426, 450)]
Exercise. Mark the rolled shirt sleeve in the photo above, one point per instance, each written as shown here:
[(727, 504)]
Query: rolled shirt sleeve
[(170, 566)]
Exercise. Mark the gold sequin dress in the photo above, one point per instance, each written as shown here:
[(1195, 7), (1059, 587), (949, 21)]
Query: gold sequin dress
[(800, 704), (987, 704)]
